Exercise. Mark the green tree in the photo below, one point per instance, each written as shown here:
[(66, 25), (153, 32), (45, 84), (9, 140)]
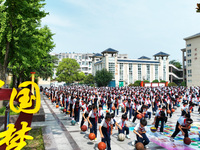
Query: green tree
[(67, 70), (176, 64), (80, 76), (103, 77), (89, 79), (20, 22)]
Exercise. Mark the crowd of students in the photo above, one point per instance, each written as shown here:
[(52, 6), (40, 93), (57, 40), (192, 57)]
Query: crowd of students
[(146, 101)]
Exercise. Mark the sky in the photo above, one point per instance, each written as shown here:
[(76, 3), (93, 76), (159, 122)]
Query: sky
[(133, 27)]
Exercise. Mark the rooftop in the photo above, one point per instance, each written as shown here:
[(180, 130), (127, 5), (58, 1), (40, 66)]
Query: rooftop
[(97, 55), (110, 50), (161, 54), (193, 36), (144, 57)]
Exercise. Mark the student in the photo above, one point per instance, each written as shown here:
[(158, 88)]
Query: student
[(116, 104), (105, 130), (76, 110), (85, 115), (184, 108), (92, 119), (122, 126), (101, 114), (129, 108), (140, 131), (113, 119), (139, 110), (183, 125), (160, 116)]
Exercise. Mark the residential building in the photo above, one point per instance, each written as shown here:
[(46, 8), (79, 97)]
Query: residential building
[(126, 71), (191, 60), (84, 60)]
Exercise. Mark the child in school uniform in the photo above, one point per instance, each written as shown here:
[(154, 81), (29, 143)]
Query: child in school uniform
[(105, 130), (100, 114), (183, 125), (140, 131), (76, 110), (85, 115), (122, 126), (113, 119), (93, 120), (160, 116)]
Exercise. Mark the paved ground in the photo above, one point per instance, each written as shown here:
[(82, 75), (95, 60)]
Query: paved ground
[(70, 137)]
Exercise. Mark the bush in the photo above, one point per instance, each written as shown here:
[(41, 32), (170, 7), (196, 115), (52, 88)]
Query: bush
[(172, 84), (162, 81), (183, 83), (155, 81), (137, 83), (131, 84), (146, 81)]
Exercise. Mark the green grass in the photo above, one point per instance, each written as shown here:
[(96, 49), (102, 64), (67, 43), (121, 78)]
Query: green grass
[(3, 110), (37, 143)]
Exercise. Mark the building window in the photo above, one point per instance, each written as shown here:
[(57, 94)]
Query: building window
[(148, 73), (139, 72), (130, 73), (188, 45), (156, 72), (189, 62), (189, 52), (189, 81), (121, 72), (80, 57), (112, 68), (189, 73), (75, 57), (164, 70)]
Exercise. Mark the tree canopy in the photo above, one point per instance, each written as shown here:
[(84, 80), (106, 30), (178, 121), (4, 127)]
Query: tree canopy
[(103, 77), (67, 70), (176, 64), (89, 79), (24, 44)]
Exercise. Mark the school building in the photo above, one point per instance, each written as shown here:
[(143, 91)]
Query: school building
[(191, 60), (126, 71)]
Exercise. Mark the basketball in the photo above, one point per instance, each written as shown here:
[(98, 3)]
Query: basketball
[(173, 110), (179, 100), (160, 108), (101, 146), (121, 137), (49, 98), (107, 111), (64, 110), (187, 140), (139, 116), (83, 128), (153, 129), (168, 111), (175, 107), (139, 146), (178, 105), (113, 108), (92, 136), (73, 122), (57, 106)]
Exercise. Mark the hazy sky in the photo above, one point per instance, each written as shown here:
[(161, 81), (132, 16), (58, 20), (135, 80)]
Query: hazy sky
[(134, 27)]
